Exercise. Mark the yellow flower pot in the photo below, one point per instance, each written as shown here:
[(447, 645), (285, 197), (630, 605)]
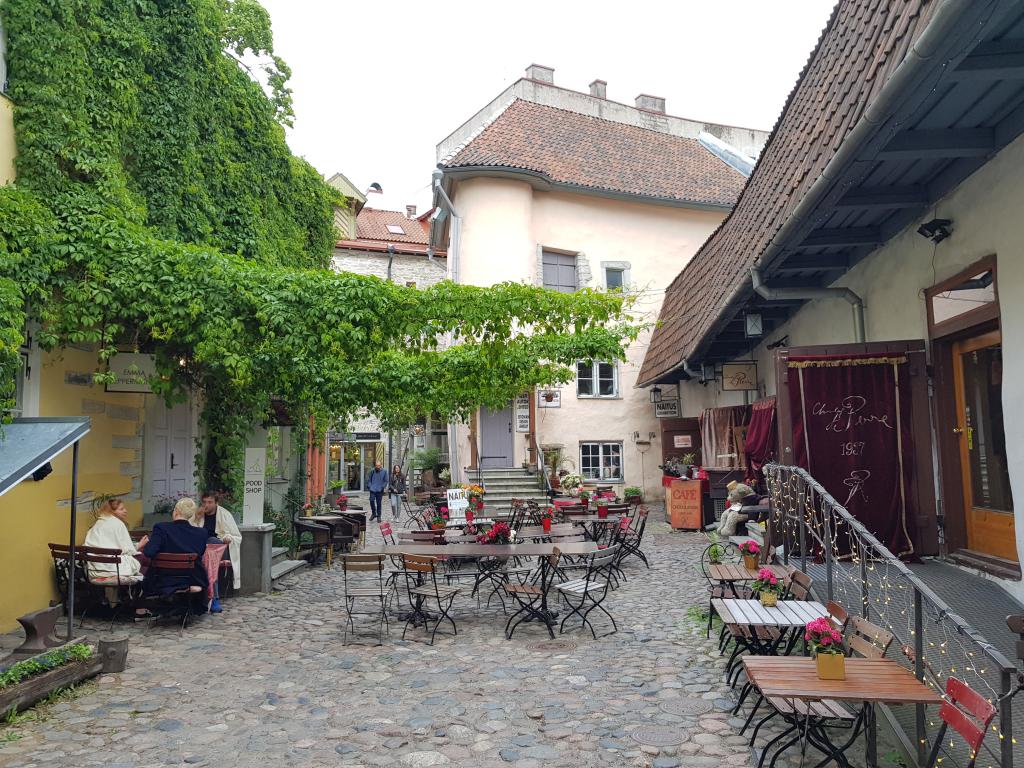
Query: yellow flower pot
[(831, 666), (769, 599), (750, 562)]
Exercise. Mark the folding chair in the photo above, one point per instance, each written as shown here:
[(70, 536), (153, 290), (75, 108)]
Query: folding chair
[(371, 590), (180, 565), (591, 590), (634, 537), (533, 598), (969, 713), (421, 585)]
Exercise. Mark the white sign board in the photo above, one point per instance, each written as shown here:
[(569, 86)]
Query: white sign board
[(666, 409), (132, 372), (682, 441), (457, 503), (522, 413), (549, 398), (255, 485)]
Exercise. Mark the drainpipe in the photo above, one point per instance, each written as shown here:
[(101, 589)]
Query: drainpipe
[(453, 265), (785, 294)]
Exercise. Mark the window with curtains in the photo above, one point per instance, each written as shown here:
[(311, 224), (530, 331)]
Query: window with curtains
[(601, 461), (596, 379)]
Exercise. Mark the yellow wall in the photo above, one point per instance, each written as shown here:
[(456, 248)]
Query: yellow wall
[(34, 514), (6, 141)]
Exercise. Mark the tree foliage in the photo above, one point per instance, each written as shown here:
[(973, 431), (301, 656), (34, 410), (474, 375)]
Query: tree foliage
[(158, 208)]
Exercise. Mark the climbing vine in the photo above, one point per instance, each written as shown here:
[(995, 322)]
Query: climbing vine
[(158, 209)]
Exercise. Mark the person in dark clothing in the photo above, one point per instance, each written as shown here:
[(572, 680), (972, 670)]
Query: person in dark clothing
[(376, 484), (178, 536), (396, 490)]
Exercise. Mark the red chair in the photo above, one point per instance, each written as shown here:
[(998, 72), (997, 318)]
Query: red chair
[(387, 533), (968, 712)]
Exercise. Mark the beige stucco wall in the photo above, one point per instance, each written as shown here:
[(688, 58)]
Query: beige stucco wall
[(506, 223), (7, 150), (985, 211)]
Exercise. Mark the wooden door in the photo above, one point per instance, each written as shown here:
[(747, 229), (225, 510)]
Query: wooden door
[(988, 502), (496, 437), (169, 450)]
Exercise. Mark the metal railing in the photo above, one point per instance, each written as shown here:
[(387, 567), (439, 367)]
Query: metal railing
[(817, 534)]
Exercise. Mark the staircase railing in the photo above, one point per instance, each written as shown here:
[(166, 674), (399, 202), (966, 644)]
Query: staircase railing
[(817, 533), (541, 466)]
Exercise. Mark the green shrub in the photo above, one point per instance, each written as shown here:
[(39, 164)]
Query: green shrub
[(22, 670)]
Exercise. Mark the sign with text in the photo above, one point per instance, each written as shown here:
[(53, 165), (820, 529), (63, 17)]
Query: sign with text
[(738, 377), (132, 372), (682, 441), (457, 503), (684, 504), (522, 413), (666, 409), (255, 485)]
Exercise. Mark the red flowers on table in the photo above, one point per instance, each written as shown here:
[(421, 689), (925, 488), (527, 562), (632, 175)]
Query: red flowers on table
[(823, 636), (766, 581), (500, 533), (750, 548)]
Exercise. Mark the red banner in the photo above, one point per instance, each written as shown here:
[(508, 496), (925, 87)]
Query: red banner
[(852, 432)]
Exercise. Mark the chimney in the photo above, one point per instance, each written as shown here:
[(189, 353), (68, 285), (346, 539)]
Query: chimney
[(651, 103), (599, 89), (410, 211), (541, 74)]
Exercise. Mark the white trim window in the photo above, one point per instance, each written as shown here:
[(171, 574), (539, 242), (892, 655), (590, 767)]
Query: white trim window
[(596, 379), (601, 461)]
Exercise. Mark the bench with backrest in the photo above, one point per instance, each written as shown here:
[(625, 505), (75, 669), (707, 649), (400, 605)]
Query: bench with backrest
[(90, 590)]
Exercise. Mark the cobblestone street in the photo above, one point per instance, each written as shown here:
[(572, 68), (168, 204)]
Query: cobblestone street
[(269, 682)]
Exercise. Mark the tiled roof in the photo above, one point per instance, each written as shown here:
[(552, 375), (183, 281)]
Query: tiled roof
[(863, 43), (579, 150), (372, 224)]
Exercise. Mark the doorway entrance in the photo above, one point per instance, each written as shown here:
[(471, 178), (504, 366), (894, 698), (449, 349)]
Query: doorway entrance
[(496, 448), (988, 503), (169, 450)]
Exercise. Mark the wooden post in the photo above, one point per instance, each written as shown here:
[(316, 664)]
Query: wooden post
[(474, 420)]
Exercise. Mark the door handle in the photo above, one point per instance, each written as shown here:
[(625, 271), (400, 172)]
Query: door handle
[(172, 461), (957, 431)]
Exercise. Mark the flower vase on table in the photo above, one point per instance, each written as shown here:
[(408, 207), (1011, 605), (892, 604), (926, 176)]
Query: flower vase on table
[(500, 533), (750, 551), (767, 587), (827, 645), (547, 518), (602, 511)]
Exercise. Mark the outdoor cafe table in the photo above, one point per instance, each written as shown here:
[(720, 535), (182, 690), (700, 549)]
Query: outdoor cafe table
[(730, 572), (482, 550), (868, 681), (786, 614)]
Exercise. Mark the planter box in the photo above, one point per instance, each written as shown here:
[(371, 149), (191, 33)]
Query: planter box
[(36, 688)]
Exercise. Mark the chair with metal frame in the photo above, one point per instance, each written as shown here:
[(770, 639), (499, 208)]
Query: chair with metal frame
[(90, 591), (592, 590), (969, 713), (727, 551), (177, 564), (533, 598), (372, 589), (634, 536), (421, 585)]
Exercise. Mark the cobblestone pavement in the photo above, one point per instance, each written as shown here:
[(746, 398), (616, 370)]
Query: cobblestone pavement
[(269, 682)]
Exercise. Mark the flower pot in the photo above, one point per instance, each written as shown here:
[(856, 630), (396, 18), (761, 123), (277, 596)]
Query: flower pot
[(602, 511), (769, 599), (750, 562), (831, 666), (469, 515), (437, 526), (546, 523)]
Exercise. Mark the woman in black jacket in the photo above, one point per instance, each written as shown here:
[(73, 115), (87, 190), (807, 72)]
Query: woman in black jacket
[(396, 489)]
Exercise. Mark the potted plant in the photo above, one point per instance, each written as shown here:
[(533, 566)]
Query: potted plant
[(687, 462), (633, 494), (716, 551), (500, 533), (827, 646), (750, 551), (546, 518), (585, 498), (334, 490), (440, 519), (445, 476), (571, 483), (342, 502), (767, 587)]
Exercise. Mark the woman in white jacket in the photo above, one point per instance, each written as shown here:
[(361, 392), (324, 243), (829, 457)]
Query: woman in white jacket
[(110, 532)]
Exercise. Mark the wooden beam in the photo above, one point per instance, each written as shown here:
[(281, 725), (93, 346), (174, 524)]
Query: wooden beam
[(994, 60), (951, 142), (822, 262), (844, 236), (884, 197)]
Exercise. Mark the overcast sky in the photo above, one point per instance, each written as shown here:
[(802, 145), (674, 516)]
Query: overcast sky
[(378, 84)]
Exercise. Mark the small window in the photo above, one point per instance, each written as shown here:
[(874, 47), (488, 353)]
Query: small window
[(596, 379), (396, 229), (410, 283), (560, 272), (601, 461), (613, 279)]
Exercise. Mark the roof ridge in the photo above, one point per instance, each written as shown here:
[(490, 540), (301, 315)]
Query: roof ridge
[(475, 134)]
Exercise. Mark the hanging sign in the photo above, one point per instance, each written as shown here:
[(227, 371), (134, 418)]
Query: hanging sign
[(522, 413), (549, 398), (666, 409), (737, 377), (132, 372), (255, 485)]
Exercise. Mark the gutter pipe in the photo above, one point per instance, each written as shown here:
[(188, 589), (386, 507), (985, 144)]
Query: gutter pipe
[(784, 294), (454, 270), (946, 23)]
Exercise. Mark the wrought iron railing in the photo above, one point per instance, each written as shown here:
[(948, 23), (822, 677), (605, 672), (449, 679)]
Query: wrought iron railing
[(850, 566)]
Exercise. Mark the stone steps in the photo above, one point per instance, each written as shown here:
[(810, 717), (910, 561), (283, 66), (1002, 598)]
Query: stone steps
[(282, 568), (277, 554)]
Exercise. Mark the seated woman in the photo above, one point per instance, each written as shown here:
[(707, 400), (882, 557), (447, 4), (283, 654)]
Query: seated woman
[(110, 532), (181, 537)]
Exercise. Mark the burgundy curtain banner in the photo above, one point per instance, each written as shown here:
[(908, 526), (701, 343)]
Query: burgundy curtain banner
[(760, 441), (851, 431)]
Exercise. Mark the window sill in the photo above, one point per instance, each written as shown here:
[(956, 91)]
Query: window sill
[(598, 397)]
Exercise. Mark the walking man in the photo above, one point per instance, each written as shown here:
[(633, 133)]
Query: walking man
[(376, 484)]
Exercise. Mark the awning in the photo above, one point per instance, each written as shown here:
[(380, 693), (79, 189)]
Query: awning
[(28, 444)]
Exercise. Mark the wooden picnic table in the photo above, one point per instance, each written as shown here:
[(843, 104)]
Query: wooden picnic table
[(787, 614), (868, 681), (482, 550), (729, 572)]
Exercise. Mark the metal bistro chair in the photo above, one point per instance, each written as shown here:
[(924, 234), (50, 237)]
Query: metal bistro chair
[(591, 590), (177, 564), (727, 552), (421, 584), (634, 537), (969, 713), (372, 590), (532, 598)]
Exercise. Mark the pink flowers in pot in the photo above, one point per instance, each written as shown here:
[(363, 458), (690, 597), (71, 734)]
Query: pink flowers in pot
[(750, 547), (823, 636), (766, 582)]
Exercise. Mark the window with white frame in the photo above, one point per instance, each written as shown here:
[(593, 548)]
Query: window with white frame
[(601, 461), (596, 379)]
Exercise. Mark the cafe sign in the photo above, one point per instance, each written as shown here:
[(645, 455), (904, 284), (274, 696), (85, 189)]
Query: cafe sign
[(666, 409), (132, 372)]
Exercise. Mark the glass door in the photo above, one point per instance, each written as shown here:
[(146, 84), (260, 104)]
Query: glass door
[(988, 502)]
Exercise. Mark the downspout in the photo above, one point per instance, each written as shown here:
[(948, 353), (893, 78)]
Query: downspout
[(786, 294), (453, 265)]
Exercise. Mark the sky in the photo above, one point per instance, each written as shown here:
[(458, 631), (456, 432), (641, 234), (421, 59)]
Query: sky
[(377, 85)]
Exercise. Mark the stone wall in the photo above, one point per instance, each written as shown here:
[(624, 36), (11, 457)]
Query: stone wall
[(406, 268)]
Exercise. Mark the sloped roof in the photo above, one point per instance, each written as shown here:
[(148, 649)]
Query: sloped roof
[(863, 43), (577, 150), (372, 224)]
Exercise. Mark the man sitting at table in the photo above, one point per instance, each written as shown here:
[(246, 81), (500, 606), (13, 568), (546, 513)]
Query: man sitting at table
[(178, 537), (220, 524)]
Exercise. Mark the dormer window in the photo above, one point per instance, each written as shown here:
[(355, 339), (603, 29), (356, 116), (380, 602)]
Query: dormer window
[(396, 229)]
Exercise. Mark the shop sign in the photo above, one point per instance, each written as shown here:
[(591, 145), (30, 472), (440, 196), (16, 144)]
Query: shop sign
[(522, 413), (666, 409), (549, 398), (682, 441), (685, 504), (255, 485), (132, 372), (738, 377)]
